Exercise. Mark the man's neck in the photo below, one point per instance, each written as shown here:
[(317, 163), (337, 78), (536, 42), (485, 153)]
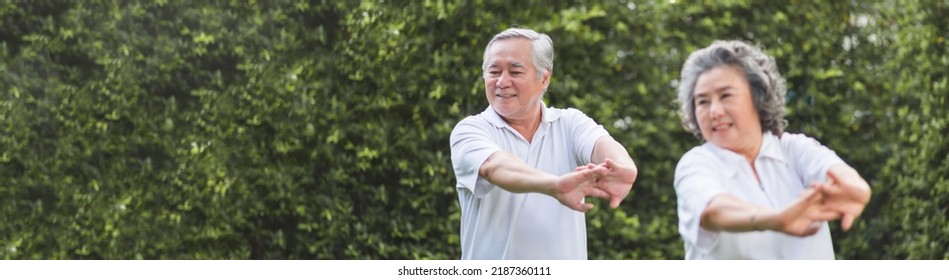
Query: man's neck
[(528, 126)]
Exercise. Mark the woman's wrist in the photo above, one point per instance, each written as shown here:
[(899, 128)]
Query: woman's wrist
[(764, 219), (754, 220)]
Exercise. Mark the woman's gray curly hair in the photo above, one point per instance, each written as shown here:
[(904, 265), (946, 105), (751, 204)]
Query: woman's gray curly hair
[(766, 84)]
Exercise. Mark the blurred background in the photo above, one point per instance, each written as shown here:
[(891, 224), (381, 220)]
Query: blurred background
[(287, 129)]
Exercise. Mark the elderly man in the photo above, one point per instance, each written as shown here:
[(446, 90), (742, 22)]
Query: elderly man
[(523, 169)]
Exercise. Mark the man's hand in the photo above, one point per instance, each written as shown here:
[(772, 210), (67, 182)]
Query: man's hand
[(572, 187), (617, 182)]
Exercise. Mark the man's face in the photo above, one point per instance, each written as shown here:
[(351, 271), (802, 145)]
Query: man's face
[(510, 80)]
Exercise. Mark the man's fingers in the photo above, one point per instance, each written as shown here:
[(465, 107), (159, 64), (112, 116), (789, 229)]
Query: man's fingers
[(595, 172), (598, 193), (584, 207), (820, 186), (615, 201), (832, 178), (577, 204), (607, 182), (830, 189), (609, 163), (847, 222), (813, 228), (811, 195), (826, 215), (584, 167)]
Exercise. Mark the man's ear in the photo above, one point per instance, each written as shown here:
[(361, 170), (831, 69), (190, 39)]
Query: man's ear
[(545, 79)]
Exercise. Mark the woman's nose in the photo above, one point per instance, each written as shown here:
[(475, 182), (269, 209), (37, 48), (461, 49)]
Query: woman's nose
[(715, 109)]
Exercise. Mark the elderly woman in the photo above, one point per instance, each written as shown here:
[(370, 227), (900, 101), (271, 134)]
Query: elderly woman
[(753, 191)]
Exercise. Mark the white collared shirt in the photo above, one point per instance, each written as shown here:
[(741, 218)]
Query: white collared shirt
[(786, 166), (497, 224)]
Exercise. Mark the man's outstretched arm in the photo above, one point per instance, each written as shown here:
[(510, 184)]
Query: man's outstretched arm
[(622, 169), (510, 173)]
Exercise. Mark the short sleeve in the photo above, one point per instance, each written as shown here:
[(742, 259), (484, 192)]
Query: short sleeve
[(696, 183), (471, 145), (810, 159), (584, 132)]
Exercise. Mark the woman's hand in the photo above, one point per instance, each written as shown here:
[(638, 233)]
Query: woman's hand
[(804, 216), (844, 192)]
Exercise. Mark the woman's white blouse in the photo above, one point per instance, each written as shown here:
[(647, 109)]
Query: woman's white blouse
[(786, 165)]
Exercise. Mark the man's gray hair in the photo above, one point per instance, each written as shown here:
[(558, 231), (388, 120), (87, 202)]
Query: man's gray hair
[(766, 84), (542, 49)]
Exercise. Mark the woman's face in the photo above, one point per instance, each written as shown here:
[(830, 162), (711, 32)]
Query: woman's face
[(725, 112)]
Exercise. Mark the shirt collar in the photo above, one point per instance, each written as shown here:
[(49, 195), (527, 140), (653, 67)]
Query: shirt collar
[(770, 148), (546, 115)]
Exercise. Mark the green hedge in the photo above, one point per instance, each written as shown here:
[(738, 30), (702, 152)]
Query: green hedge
[(319, 129)]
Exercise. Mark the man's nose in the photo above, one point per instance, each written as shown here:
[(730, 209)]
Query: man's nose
[(504, 80)]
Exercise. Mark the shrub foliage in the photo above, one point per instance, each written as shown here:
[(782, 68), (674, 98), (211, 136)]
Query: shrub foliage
[(168, 129)]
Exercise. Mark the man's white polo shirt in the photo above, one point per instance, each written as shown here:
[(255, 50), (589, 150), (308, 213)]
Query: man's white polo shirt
[(497, 224)]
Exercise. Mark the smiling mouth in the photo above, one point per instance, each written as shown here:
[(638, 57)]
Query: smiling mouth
[(721, 127), (506, 95)]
